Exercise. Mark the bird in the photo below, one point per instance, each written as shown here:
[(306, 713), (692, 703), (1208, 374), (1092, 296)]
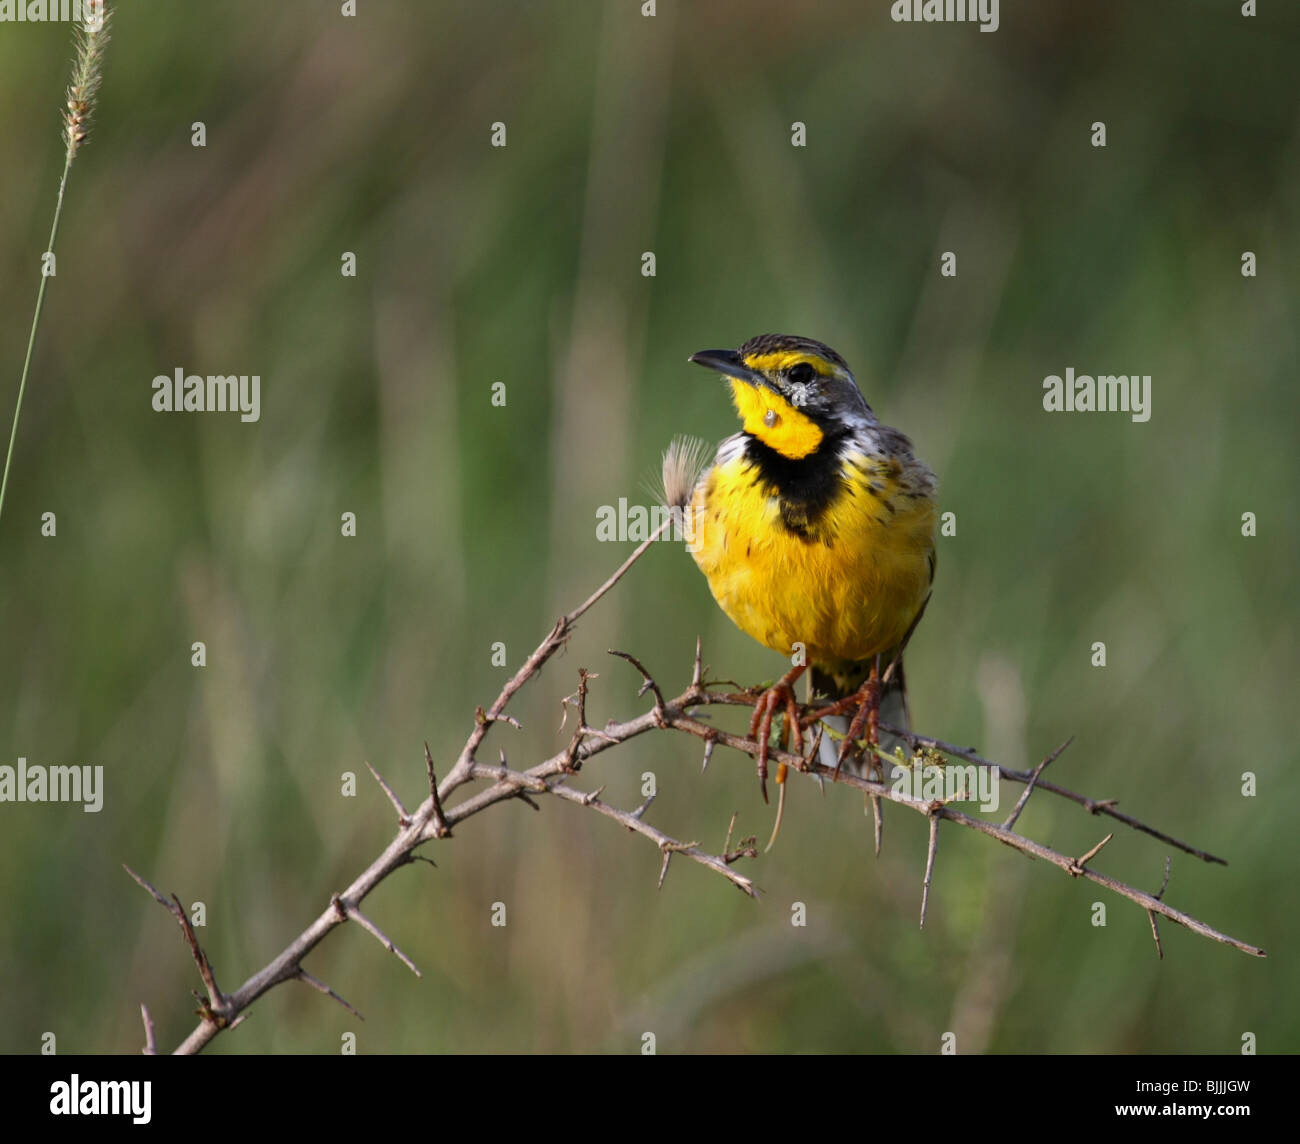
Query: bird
[(815, 529)]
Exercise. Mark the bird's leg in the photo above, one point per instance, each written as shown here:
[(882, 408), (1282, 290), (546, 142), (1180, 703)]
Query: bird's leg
[(791, 722), (868, 716), (760, 723)]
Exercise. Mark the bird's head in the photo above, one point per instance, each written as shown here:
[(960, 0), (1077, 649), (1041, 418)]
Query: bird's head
[(790, 392)]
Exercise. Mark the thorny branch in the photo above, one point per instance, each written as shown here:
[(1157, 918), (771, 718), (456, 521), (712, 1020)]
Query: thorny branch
[(434, 819)]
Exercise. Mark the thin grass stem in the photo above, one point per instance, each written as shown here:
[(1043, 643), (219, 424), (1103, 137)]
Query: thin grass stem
[(87, 69)]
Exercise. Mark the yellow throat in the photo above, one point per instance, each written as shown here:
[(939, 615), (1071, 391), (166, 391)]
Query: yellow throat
[(774, 421)]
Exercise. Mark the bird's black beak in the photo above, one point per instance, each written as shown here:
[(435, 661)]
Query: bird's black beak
[(728, 362)]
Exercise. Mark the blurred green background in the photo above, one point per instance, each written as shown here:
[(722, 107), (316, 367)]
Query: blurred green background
[(522, 265)]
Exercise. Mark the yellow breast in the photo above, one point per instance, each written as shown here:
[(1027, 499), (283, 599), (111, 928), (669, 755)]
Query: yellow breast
[(847, 588)]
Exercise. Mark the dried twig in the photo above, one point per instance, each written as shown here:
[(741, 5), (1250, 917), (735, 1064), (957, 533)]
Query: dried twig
[(1104, 806), (216, 999), (435, 818), (677, 716)]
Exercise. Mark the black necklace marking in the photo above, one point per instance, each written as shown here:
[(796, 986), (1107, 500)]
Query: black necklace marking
[(806, 487)]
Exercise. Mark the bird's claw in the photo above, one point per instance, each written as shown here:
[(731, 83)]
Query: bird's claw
[(760, 723)]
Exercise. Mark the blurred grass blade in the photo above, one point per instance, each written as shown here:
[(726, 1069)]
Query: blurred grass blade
[(87, 70)]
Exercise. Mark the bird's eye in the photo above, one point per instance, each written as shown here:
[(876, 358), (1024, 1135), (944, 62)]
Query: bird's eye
[(802, 373)]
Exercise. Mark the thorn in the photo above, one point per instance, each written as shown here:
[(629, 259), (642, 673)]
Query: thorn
[(1033, 781), (669, 849), (321, 987), (649, 684), (349, 912), (929, 866), (1151, 914), (1080, 863), (440, 827), (597, 734), (1165, 884), (663, 870), (403, 818), (1155, 933), (485, 718)]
